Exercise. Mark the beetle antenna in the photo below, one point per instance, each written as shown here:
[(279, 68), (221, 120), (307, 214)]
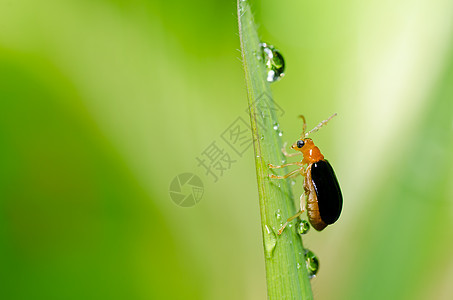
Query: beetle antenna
[(304, 127), (320, 125)]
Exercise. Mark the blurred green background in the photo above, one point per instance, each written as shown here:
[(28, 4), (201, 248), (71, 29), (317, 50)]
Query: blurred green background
[(103, 103)]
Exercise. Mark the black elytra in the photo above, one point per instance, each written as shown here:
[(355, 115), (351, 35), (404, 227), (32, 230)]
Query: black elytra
[(330, 200)]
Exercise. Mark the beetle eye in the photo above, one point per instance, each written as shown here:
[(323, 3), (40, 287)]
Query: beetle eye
[(300, 144)]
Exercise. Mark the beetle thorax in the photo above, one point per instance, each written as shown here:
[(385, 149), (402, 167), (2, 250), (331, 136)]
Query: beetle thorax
[(311, 153)]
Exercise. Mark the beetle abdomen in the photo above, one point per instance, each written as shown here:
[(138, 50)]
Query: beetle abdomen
[(330, 200)]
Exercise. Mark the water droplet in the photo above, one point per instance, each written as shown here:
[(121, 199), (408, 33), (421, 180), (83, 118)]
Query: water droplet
[(303, 227), (298, 265), (276, 125), (270, 240), (280, 133), (278, 214), (274, 62), (312, 263), (262, 137), (293, 182)]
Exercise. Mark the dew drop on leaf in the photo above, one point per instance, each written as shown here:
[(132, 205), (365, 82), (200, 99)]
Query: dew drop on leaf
[(270, 240), (303, 227), (274, 62), (312, 263)]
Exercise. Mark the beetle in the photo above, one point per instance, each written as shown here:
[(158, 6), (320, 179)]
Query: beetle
[(322, 190)]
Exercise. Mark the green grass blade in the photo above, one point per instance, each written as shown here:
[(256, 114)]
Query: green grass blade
[(286, 272)]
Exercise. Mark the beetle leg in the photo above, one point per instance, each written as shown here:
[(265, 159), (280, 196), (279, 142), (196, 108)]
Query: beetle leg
[(287, 154), (302, 172), (302, 208), (303, 201), (285, 176), (295, 175), (285, 165), (289, 220)]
